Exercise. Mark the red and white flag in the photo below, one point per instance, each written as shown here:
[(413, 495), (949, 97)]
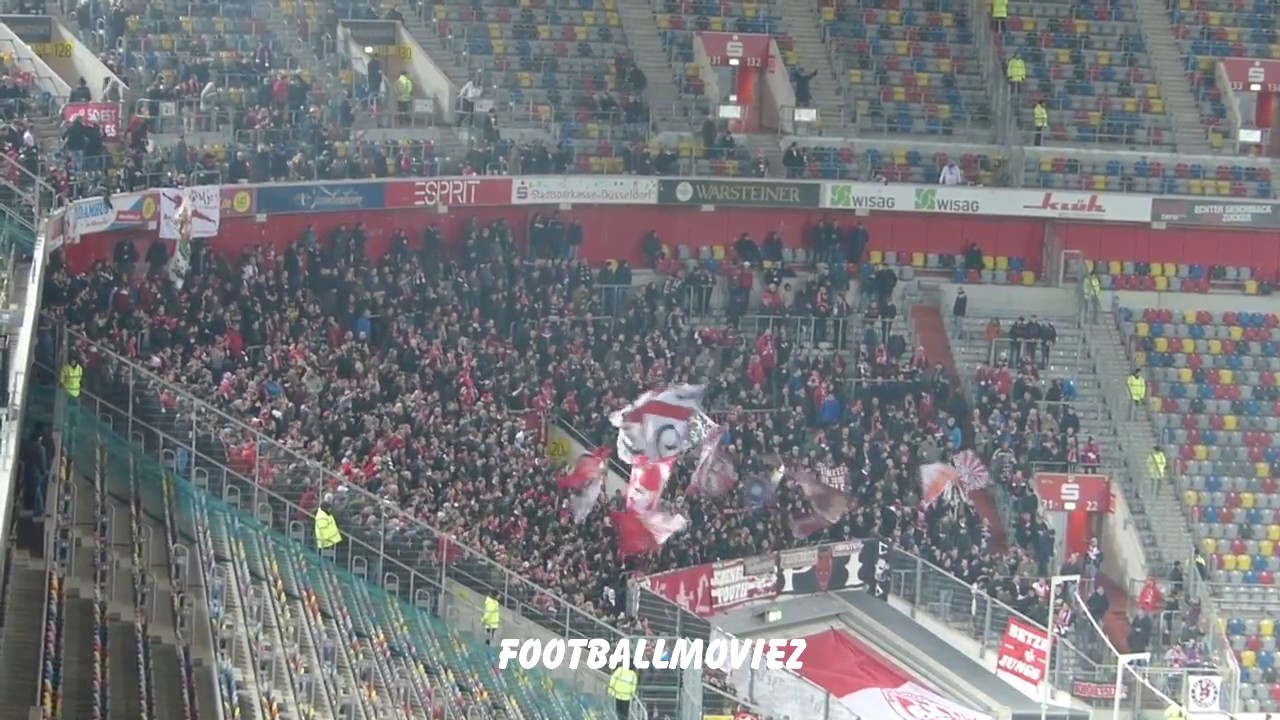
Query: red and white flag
[(935, 480), (648, 480), (641, 532), (585, 482), (716, 473), (657, 424)]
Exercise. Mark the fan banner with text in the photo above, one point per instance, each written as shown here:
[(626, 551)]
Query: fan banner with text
[(713, 587)]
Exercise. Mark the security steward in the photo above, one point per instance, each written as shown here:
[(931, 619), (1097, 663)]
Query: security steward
[(326, 528), (492, 618), (1157, 464), (1173, 712), (1137, 390), (622, 687)]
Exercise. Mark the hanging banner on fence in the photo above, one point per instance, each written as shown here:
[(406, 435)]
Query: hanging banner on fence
[(710, 588), (102, 115), (1258, 215), (201, 205), (1024, 653), (330, 197), (739, 194), (126, 210), (1089, 690), (30, 28), (237, 202), (449, 192), (1204, 693)]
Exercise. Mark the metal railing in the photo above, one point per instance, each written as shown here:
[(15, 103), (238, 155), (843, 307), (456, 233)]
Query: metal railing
[(386, 546)]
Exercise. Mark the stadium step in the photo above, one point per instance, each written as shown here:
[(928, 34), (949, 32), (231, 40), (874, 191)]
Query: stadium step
[(124, 676), (1166, 60), (77, 658), (20, 637), (166, 670), (641, 28)]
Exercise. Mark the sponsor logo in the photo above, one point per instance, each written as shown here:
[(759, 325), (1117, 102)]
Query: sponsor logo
[(242, 201), (929, 199), (845, 197), (1057, 203), (579, 190), (148, 207), (755, 194)]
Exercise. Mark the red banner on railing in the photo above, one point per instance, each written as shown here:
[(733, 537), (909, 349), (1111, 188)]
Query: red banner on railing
[(106, 116), (449, 192)]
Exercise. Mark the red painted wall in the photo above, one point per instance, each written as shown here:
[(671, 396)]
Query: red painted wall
[(615, 232), (1139, 243)]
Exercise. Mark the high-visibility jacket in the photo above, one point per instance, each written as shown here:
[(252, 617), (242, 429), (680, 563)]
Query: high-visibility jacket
[(1041, 117), (327, 533), (1137, 388), (70, 377), (1094, 285), (1173, 712), (404, 88), (622, 684), (1016, 70), (1157, 463), (492, 614), (1000, 9)]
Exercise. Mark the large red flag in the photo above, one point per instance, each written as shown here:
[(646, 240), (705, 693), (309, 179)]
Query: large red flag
[(641, 532)]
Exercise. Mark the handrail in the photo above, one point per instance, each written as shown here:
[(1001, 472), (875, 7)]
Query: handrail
[(510, 587)]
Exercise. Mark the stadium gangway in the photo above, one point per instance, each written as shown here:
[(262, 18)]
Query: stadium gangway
[(188, 436)]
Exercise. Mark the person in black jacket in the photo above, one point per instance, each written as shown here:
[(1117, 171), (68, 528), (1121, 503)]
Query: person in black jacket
[(959, 309)]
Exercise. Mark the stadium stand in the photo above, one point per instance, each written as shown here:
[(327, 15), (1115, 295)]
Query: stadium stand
[(1174, 277), (1210, 29), (1212, 380), (912, 68), (1088, 64), (1154, 174)]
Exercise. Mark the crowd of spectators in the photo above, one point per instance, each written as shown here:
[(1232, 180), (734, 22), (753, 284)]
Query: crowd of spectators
[(411, 376)]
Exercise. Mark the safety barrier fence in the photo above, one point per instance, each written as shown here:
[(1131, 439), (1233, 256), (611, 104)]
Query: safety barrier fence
[(235, 463)]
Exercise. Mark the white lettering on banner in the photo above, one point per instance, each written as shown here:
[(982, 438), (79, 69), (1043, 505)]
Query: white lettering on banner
[(1257, 74), (731, 584), (1023, 654), (835, 476), (449, 193), (735, 49), (587, 190)]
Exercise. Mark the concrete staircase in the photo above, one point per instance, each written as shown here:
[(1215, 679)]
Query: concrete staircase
[(1071, 357), (805, 26), (641, 28), (1160, 512), (1166, 57), (22, 636)]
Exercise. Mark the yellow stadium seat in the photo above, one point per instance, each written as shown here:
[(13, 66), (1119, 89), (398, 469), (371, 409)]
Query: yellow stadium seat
[(1215, 347), (1261, 470), (1028, 277), (876, 257), (917, 259), (1200, 452), (1162, 345), (1229, 562), (1250, 287), (1002, 262), (1162, 283), (988, 262), (1188, 346), (1114, 267), (1226, 377), (1266, 625), (1209, 545), (1229, 422), (1248, 659), (1143, 329), (1266, 547), (717, 252), (1185, 375), (1273, 533), (1248, 500), (1244, 563)]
